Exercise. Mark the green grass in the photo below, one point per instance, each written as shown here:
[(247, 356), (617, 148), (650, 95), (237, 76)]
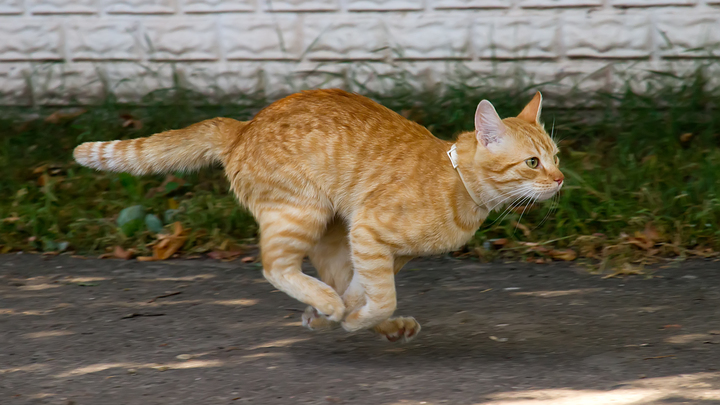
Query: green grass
[(623, 155)]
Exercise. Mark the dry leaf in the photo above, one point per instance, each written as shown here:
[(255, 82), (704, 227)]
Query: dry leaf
[(167, 245), (225, 255), (121, 253), (651, 232), (563, 254), (686, 137), (248, 259), (58, 116), (130, 122), (525, 230), (145, 258), (499, 243), (12, 218)]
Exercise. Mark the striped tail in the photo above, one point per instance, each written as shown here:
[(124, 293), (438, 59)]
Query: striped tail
[(186, 149)]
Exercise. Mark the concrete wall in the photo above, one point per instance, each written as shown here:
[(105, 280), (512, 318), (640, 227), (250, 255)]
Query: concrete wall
[(59, 51)]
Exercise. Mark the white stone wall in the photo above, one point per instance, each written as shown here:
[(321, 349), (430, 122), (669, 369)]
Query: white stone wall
[(64, 51)]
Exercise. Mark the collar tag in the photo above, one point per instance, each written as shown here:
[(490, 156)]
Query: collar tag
[(452, 154)]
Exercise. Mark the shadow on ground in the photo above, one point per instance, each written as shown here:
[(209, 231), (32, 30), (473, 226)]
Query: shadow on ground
[(199, 332)]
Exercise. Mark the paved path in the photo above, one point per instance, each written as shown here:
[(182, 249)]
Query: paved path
[(85, 332)]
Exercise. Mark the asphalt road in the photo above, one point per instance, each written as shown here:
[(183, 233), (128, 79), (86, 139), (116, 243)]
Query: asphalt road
[(94, 332)]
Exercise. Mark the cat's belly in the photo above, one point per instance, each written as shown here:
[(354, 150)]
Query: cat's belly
[(435, 242)]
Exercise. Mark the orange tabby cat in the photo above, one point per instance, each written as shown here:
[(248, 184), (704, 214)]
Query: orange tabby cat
[(354, 186)]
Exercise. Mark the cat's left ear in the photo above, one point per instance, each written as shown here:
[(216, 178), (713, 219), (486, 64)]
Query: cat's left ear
[(489, 128), (531, 112)]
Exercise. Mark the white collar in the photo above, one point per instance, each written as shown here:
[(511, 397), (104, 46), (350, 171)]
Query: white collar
[(452, 154)]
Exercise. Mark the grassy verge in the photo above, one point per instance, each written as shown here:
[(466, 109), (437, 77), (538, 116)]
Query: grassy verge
[(642, 172)]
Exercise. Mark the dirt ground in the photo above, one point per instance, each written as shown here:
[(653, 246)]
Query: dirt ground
[(94, 332)]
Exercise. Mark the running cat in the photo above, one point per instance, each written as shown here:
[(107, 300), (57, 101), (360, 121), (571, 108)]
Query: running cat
[(354, 186)]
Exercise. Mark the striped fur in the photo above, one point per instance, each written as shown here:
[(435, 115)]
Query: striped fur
[(354, 186), (188, 149)]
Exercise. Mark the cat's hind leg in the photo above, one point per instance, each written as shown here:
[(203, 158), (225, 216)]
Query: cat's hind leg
[(287, 234), (331, 258)]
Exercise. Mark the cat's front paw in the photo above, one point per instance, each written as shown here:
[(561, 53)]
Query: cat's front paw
[(402, 329), (313, 320)]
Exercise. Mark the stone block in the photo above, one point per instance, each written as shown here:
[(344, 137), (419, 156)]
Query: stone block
[(141, 7), (11, 7), (129, 82), (516, 37), (348, 39), (218, 6), (652, 3), (15, 88), (385, 5), (302, 5), (67, 83), (597, 35), (688, 36), (63, 6), (223, 82), (103, 40), (181, 39), (418, 38), (246, 37), (560, 3), (286, 78), (469, 4), (30, 39)]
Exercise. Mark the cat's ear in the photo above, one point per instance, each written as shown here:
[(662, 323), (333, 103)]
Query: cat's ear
[(531, 112), (489, 128)]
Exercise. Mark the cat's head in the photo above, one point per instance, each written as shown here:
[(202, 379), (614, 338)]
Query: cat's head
[(515, 155)]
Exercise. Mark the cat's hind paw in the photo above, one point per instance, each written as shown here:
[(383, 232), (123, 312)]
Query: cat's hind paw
[(403, 329), (313, 320)]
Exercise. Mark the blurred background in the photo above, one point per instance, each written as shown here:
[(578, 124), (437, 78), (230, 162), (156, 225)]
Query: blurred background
[(630, 91)]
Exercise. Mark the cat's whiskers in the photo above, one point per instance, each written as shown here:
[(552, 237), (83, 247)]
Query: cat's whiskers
[(512, 205), (517, 224), (510, 194)]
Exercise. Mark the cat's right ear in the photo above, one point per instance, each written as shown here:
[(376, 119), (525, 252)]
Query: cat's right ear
[(489, 128)]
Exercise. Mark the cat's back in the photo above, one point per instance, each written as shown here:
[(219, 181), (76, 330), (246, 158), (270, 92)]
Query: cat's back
[(332, 114)]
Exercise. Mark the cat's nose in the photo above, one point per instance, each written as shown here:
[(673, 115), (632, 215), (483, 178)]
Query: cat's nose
[(560, 180)]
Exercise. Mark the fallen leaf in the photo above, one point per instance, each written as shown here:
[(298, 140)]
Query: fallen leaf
[(59, 116), (672, 326), (248, 259), (225, 255), (651, 232), (167, 245), (563, 254), (12, 218), (499, 243), (525, 230), (686, 137), (130, 121), (121, 253)]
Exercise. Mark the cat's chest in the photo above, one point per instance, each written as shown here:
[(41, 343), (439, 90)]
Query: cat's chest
[(435, 237)]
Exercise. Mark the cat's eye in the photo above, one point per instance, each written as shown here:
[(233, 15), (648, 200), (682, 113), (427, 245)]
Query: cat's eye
[(557, 161), (533, 162)]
